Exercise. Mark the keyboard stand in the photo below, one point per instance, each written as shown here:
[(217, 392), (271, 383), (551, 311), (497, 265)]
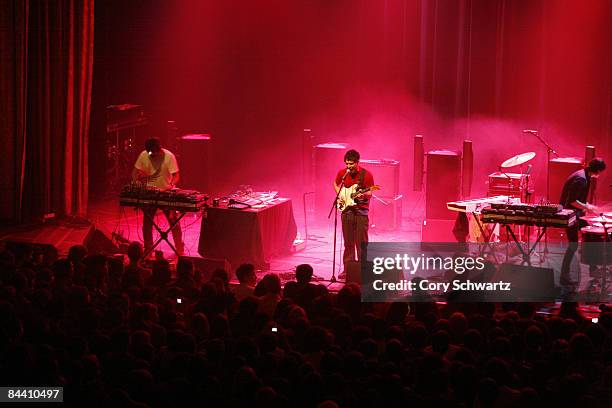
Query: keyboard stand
[(163, 235), (530, 248)]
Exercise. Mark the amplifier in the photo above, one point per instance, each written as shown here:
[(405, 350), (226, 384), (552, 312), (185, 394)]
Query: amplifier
[(386, 174), (124, 116), (508, 184)]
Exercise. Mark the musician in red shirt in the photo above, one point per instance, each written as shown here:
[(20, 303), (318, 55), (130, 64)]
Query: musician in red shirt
[(354, 217)]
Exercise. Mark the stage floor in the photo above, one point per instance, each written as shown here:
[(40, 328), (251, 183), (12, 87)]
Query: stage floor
[(317, 249)]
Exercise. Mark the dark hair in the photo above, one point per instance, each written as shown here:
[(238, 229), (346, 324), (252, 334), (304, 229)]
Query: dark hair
[(152, 145), (352, 155), (303, 273), (77, 253), (597, 165), (270, 283), (221, 274), (244, 271), (135, 251)]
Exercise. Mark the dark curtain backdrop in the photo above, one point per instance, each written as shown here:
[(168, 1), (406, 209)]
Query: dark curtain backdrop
[(255, 74), (46, 71)]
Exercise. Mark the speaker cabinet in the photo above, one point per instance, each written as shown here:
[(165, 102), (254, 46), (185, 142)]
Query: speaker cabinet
[(97, 242), (589, 154), (443, 182), (418, 160), (195, 162), (467, 166), (528, 282), (559, 170)]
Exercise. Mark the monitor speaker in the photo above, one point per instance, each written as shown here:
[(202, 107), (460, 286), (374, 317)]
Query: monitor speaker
[(99, 242), (528, 282)]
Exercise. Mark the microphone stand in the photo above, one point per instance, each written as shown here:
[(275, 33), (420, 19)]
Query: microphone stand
[(334, 207), (549, 150), (501, 170)]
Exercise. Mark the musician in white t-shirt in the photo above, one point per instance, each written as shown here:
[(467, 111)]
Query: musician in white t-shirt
[(158, 168)]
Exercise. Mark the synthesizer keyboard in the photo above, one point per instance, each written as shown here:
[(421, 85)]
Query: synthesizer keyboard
[(174, 199)]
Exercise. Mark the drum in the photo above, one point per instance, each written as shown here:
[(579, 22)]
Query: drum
[(594, 246)]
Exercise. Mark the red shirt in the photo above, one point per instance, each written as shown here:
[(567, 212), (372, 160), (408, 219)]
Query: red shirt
[(350, 179)]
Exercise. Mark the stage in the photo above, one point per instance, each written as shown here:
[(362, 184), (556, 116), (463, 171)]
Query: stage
[(107, 221)]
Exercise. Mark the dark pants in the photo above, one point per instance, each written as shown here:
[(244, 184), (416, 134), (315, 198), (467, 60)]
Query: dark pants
[(572, 247), (355, 233), (147, 228)]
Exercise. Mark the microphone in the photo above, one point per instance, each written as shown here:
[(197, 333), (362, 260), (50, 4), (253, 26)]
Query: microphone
[(528, 170), (530, 131), (346, 174)]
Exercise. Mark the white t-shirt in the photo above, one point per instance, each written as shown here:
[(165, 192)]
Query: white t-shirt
[(159, 170)]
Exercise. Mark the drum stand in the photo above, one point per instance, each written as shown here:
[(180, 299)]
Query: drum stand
[(604, 273)]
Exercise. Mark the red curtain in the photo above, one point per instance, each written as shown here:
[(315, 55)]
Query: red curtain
[(46, 71)]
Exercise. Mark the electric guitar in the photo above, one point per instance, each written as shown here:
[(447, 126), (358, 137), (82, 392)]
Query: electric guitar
[(346, 198)]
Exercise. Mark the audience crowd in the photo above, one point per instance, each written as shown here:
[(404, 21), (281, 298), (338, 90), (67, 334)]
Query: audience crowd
[(123, 335)]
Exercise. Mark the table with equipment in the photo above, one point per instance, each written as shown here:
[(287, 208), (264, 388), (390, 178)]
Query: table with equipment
[(246, 233)]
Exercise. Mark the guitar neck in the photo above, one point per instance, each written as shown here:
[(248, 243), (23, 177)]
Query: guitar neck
[(363, 190)]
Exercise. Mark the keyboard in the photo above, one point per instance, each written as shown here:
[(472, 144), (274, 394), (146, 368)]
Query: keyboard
[(477, 204)]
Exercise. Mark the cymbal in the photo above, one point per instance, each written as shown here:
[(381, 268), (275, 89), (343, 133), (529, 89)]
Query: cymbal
[(596, 219), (518, 159)]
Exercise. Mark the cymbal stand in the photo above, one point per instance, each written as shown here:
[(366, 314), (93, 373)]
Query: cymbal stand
[(604, 273), (524, 188), (549, 151)]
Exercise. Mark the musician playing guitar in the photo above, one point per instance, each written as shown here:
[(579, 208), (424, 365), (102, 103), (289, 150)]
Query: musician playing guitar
[(354, 217)]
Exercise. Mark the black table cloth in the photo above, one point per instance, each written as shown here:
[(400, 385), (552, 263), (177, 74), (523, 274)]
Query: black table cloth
[(250, 235)]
